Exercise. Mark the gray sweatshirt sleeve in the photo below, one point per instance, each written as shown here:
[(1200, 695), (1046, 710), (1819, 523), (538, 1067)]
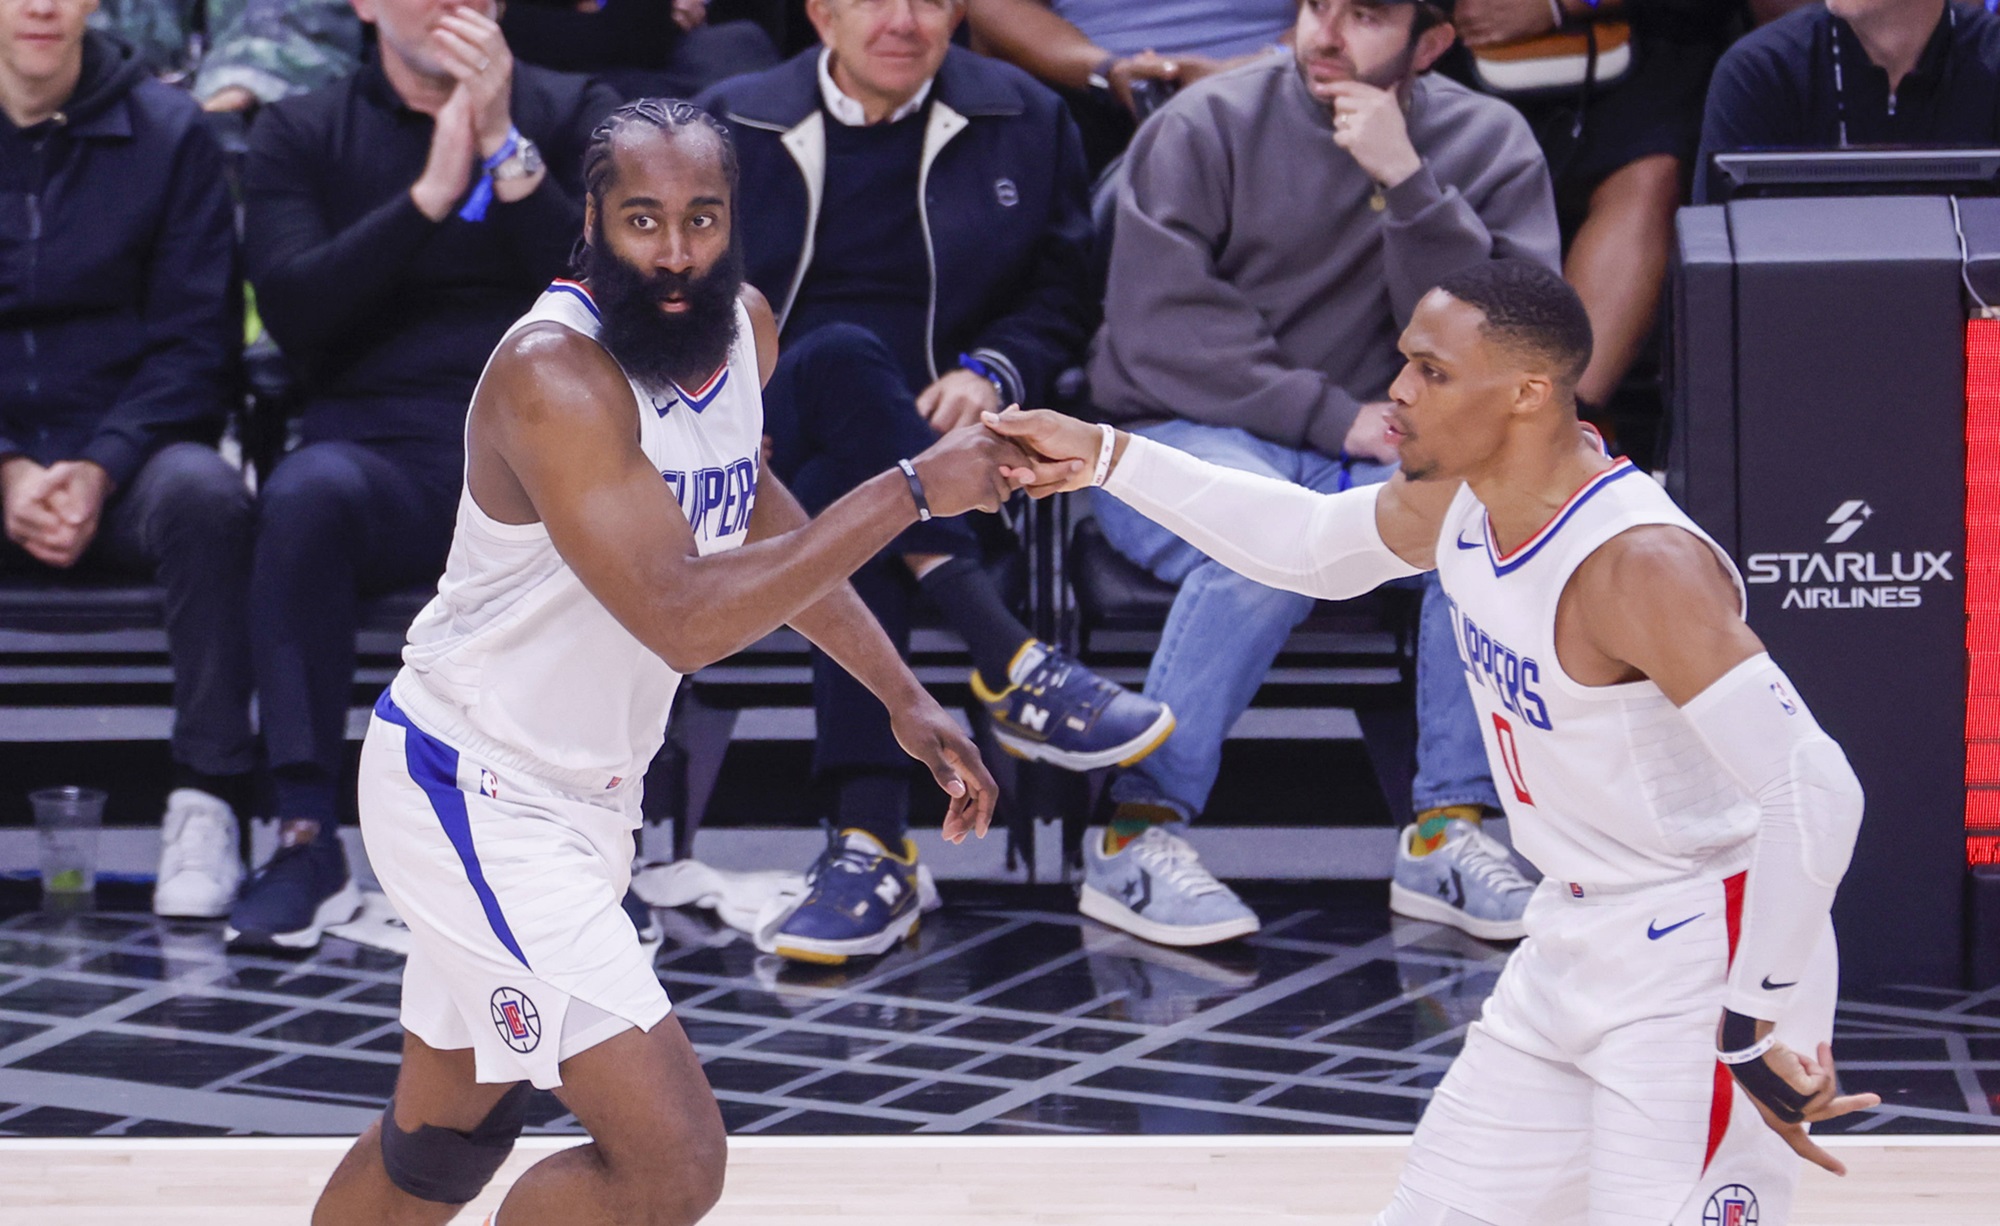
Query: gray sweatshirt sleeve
[(1179, 339), (1504, 209)]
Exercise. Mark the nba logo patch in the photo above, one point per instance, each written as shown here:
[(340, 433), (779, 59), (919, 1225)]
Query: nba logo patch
[(1784, 698), (1733, 1205), (615, 781), (1575, 890), (489, 784), (517, 1019)]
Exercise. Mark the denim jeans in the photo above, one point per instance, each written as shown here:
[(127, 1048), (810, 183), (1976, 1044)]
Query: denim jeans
[(1225, 630)]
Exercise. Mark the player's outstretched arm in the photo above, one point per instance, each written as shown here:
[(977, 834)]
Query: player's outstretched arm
[(554, 438), (1332, 546), (841, 626), (1655, 602)]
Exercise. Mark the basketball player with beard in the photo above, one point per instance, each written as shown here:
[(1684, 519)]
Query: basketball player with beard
[(1655, 1049), (615, 533)]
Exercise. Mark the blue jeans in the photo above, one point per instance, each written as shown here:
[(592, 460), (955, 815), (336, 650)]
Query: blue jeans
[(1224, 631)]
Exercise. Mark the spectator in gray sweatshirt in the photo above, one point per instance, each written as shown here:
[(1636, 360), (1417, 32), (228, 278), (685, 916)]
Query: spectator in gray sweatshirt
[(1277, 226)]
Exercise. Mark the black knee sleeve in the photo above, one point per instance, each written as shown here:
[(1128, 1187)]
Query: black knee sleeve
[(448, 1166)]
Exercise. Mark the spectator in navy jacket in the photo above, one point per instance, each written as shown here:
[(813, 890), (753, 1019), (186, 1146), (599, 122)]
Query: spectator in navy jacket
[(917, 217), (119, 319), (398, 222)]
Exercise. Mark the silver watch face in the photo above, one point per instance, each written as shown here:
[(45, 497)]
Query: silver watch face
[(526, 162)]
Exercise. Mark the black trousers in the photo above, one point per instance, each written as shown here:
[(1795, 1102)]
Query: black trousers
[(839, 411), (337, 521), (185, 520)]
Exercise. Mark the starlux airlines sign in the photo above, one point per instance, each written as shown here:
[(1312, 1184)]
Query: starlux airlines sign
[(1831, 577)]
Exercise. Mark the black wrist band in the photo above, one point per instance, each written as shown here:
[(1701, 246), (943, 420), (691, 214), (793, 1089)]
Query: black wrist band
[(1758, 1079), (916, 490)]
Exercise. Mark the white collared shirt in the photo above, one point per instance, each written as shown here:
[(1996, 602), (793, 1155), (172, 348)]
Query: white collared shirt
[(846, 110)]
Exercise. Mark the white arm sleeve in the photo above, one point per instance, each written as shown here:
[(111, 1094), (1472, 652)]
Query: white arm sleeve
[(1759, 729), (1280, 534)]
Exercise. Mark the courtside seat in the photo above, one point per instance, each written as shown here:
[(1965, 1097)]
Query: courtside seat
[(62, 612), (41, 604), (84, 657)]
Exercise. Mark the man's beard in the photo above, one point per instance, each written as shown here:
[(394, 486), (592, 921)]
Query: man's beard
[(1391, 76), (656, 346)]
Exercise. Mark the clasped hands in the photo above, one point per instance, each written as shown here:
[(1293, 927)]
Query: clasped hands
[(52, 512)]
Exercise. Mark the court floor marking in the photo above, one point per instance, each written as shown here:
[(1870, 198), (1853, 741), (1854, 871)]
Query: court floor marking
[(912, 1141)]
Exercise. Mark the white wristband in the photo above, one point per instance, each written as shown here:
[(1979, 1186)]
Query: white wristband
[(1746, 1055), (1104, 451)]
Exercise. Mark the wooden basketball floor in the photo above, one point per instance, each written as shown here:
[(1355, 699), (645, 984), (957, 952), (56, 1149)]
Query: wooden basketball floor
[(945, 1181)]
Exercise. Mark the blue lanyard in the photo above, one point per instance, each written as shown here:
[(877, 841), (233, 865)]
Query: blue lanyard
[(482, 191)]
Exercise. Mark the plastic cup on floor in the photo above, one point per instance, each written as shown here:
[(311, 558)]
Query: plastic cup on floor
[(67, 820)]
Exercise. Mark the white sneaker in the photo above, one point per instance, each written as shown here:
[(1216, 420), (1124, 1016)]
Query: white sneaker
[(200, 864)]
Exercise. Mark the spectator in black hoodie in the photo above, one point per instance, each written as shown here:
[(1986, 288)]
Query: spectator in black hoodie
[(119, 316), (397, 223)]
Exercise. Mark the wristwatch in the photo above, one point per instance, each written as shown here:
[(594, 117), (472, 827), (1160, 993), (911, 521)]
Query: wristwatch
[(1100, 76), (525, 164)]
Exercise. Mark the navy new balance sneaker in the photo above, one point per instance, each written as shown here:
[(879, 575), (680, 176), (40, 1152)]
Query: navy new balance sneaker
[(861, 899), (1056, 710), (299, 893)]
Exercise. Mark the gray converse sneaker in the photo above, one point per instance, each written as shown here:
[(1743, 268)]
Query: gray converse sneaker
[(1155, 887), (1470, 883)]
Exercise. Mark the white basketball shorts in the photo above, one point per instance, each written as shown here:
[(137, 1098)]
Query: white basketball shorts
[(1588, 1091), (511, 888)]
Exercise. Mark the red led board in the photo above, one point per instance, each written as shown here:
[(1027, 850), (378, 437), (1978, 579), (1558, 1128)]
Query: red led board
[(1982, 591)]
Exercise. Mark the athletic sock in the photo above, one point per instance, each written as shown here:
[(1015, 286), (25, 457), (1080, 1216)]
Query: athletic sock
[(965, 593), (1131, 820), (1431, 825), (877, 802)]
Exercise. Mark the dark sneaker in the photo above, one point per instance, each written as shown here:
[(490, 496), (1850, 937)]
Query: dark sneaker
[(1056, 710), (651, 935), (861, 899), (298, 894)]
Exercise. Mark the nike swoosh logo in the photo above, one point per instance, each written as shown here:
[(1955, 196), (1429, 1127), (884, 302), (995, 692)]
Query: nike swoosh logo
[(1465, 544), (1654, 932), (1773, 987)]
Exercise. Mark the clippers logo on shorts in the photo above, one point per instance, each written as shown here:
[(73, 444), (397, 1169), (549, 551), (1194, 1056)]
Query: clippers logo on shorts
[(1503, 670), (716, 501), (517, 1019), (1734, 1205)]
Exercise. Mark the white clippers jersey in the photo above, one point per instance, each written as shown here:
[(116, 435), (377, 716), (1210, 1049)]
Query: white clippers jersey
[(514, 658), (1605, 785)]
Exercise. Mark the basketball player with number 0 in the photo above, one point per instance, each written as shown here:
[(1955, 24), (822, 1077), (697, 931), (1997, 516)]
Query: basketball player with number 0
[(1655, 1049)]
